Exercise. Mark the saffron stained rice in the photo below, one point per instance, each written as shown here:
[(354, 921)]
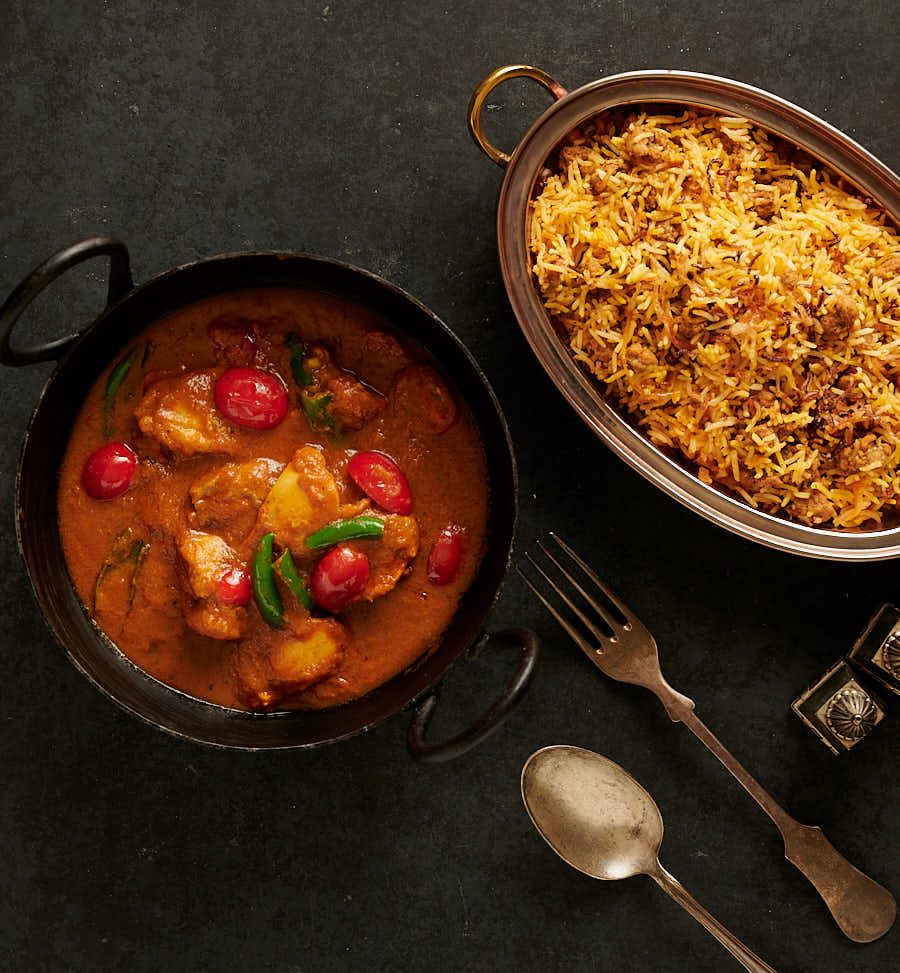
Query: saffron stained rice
[(737, 300)]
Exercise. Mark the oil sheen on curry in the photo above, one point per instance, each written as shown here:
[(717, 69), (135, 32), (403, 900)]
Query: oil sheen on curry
[(271, 501)]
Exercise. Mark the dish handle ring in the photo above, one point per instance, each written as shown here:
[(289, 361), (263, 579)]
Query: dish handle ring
[(530, 651), (487, 86), (120, 283)]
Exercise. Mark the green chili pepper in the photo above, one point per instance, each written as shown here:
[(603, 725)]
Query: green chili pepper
[(126, 548), (116, 377), (285, 568), (315, 407), (302, 376), (346, 530), (268, 601), (315, 402)]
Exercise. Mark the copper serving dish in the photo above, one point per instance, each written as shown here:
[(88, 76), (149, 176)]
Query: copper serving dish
[(570, 109)]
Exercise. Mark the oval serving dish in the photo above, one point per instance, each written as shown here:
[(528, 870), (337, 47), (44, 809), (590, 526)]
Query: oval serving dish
[(84, 356), (570, 109)]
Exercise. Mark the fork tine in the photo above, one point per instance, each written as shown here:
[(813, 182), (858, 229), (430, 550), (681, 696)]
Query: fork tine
[(627, 614), (579, 640), (600, 636), (604, 613)]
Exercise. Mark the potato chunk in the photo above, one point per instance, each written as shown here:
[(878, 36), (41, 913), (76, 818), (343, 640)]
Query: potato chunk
[(289, 661), (227, 499), (179, 411), (304, 498)]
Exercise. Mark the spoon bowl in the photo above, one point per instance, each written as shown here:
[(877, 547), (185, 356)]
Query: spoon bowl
[(592, 813)]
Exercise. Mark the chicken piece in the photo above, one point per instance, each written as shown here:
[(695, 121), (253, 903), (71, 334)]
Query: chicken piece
[(304, 498), (767, 198), (158, 503), (837, 322), (866, 453), (600, 352), (597, 182), (179, 411), (205, 558), (227, 499), (384, 346), (391, 556), (233, 340), (352, 403), (814, 510), (645, 147), (889, 267), (640, 357), (384, 357), (338, 398), (420, 395), (289, 661), (211, 618)]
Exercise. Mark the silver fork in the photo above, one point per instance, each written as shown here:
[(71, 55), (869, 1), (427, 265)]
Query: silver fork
[(626, 651)]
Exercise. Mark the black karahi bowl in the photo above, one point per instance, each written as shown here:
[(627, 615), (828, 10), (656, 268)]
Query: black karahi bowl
[(84, 356)]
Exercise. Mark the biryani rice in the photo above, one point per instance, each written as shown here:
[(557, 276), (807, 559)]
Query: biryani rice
[(737, 300)]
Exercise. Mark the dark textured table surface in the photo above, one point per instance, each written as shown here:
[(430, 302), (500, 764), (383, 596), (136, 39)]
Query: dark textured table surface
[(339, 128)]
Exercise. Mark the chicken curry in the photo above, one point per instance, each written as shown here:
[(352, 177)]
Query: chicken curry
[(273, 501)]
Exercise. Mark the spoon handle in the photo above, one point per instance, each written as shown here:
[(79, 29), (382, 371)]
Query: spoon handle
[(862, 908), (746, 957)]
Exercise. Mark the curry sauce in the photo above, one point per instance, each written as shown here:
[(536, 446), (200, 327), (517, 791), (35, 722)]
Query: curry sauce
[(207, 489)]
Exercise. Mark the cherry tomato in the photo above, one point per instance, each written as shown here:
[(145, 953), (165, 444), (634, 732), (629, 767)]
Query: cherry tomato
[(251, 397), (380, 478), (339, 577), (419, 391), (446, 555), (233, 588), (109, 471)]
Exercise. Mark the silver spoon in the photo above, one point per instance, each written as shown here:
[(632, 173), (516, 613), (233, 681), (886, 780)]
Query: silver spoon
[(600, 820)]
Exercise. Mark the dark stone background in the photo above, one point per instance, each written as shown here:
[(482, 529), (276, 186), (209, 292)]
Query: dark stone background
[(189, 129)]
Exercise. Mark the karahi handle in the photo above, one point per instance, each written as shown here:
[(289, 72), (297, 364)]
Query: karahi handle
[(119, 283), (529, 654)]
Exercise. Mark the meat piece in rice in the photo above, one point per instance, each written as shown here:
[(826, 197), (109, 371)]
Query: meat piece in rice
[(836, 323), (645, 146), (815, 509)]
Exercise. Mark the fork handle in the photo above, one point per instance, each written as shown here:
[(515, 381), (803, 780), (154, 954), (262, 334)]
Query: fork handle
[(862, 908)]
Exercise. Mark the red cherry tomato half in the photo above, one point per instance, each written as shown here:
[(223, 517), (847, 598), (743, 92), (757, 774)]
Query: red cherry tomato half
[(233, 588), (109, 471), (419, 391), (379, 477), (251, 397), (446, 555), (339, 577)]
